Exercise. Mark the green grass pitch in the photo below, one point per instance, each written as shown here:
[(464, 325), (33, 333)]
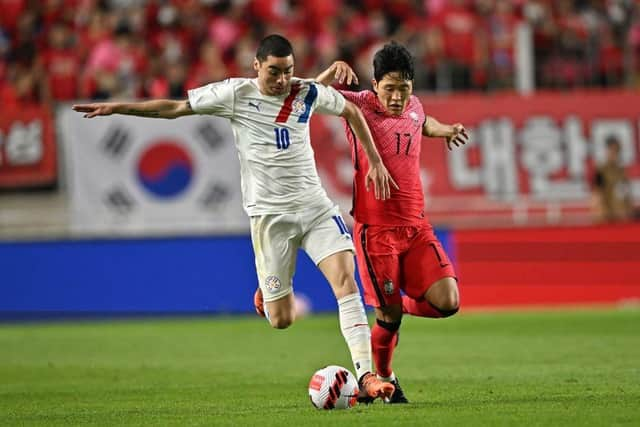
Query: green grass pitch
[(543, 368)]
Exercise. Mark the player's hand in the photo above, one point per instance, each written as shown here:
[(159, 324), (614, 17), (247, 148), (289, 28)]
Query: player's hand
[(343, 73), (93, 110), (382, 181), (458, 137)]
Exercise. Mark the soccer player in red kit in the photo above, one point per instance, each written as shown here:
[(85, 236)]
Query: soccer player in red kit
[(403, 267)]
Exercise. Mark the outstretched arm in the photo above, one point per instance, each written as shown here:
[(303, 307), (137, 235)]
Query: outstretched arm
[(340, 71), (158, 108), (454, 134), (378, 173)]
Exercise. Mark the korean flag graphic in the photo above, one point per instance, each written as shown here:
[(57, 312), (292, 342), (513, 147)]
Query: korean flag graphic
[(137, 176), (165, 169)]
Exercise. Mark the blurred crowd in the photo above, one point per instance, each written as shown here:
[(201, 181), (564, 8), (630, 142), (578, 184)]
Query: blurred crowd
[(58, 50)]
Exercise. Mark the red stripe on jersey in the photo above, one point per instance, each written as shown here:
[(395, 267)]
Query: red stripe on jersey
[(285, 111)]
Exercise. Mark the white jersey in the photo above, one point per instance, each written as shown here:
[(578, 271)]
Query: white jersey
[(271, 133)]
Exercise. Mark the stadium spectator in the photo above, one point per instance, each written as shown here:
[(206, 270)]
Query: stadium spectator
[(171, 40), (170, 83), (209, 67), (460, 45), (62, 62), (459, 26), (116, 64), (611, 188), (501, 29), (24, 82)]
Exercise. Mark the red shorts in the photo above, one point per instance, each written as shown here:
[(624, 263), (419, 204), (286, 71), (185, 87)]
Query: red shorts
[(398, 258)]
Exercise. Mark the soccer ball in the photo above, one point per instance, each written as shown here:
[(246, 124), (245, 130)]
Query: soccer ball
[(333, 387)]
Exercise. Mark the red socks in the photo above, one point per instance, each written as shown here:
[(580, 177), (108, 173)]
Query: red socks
[(384, 338), (384, 335)]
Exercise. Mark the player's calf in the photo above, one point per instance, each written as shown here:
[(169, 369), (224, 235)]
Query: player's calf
[(440, 300), (280, 316), (425, 308), (443, 294), (281, 313), (280, 322)]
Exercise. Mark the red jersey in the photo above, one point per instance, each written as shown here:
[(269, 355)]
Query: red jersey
[(63, 69), (398, 139)]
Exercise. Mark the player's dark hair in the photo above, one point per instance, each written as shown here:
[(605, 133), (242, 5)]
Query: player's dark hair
[(274, 45), (393, 58), (612, 141)]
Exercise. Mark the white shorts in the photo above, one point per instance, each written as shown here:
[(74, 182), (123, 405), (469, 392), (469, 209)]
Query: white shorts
[(276, 239)]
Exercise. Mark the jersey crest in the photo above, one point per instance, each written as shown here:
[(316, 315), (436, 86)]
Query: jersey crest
[(297, 104)]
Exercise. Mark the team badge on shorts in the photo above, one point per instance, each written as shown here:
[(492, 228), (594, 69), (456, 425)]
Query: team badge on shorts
[(388, 287), (272, 283)]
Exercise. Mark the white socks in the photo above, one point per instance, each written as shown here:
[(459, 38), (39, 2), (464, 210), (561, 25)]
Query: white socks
[(356, 332)]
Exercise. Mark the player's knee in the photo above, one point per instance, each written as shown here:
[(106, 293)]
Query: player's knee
[(281, 322), (344, 284), (445, 298), (450, 302), (448, 306), (281, 317), (446, 312), (339, 270)]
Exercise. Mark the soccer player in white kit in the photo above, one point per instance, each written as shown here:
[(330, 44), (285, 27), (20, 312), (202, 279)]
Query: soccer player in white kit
[(282, 193)]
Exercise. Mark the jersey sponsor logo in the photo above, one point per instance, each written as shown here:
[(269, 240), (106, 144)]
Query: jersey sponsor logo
[(272, 283), (255, 105)]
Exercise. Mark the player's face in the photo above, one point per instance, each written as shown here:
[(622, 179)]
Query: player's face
[(274, 74), (613, 153), (393, 92)]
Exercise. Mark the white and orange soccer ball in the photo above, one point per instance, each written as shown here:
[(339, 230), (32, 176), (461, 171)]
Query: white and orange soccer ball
[(333, 387)]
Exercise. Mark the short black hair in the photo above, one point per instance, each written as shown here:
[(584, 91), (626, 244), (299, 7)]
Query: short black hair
[(612, 141), (393, 58), (274, 45)]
